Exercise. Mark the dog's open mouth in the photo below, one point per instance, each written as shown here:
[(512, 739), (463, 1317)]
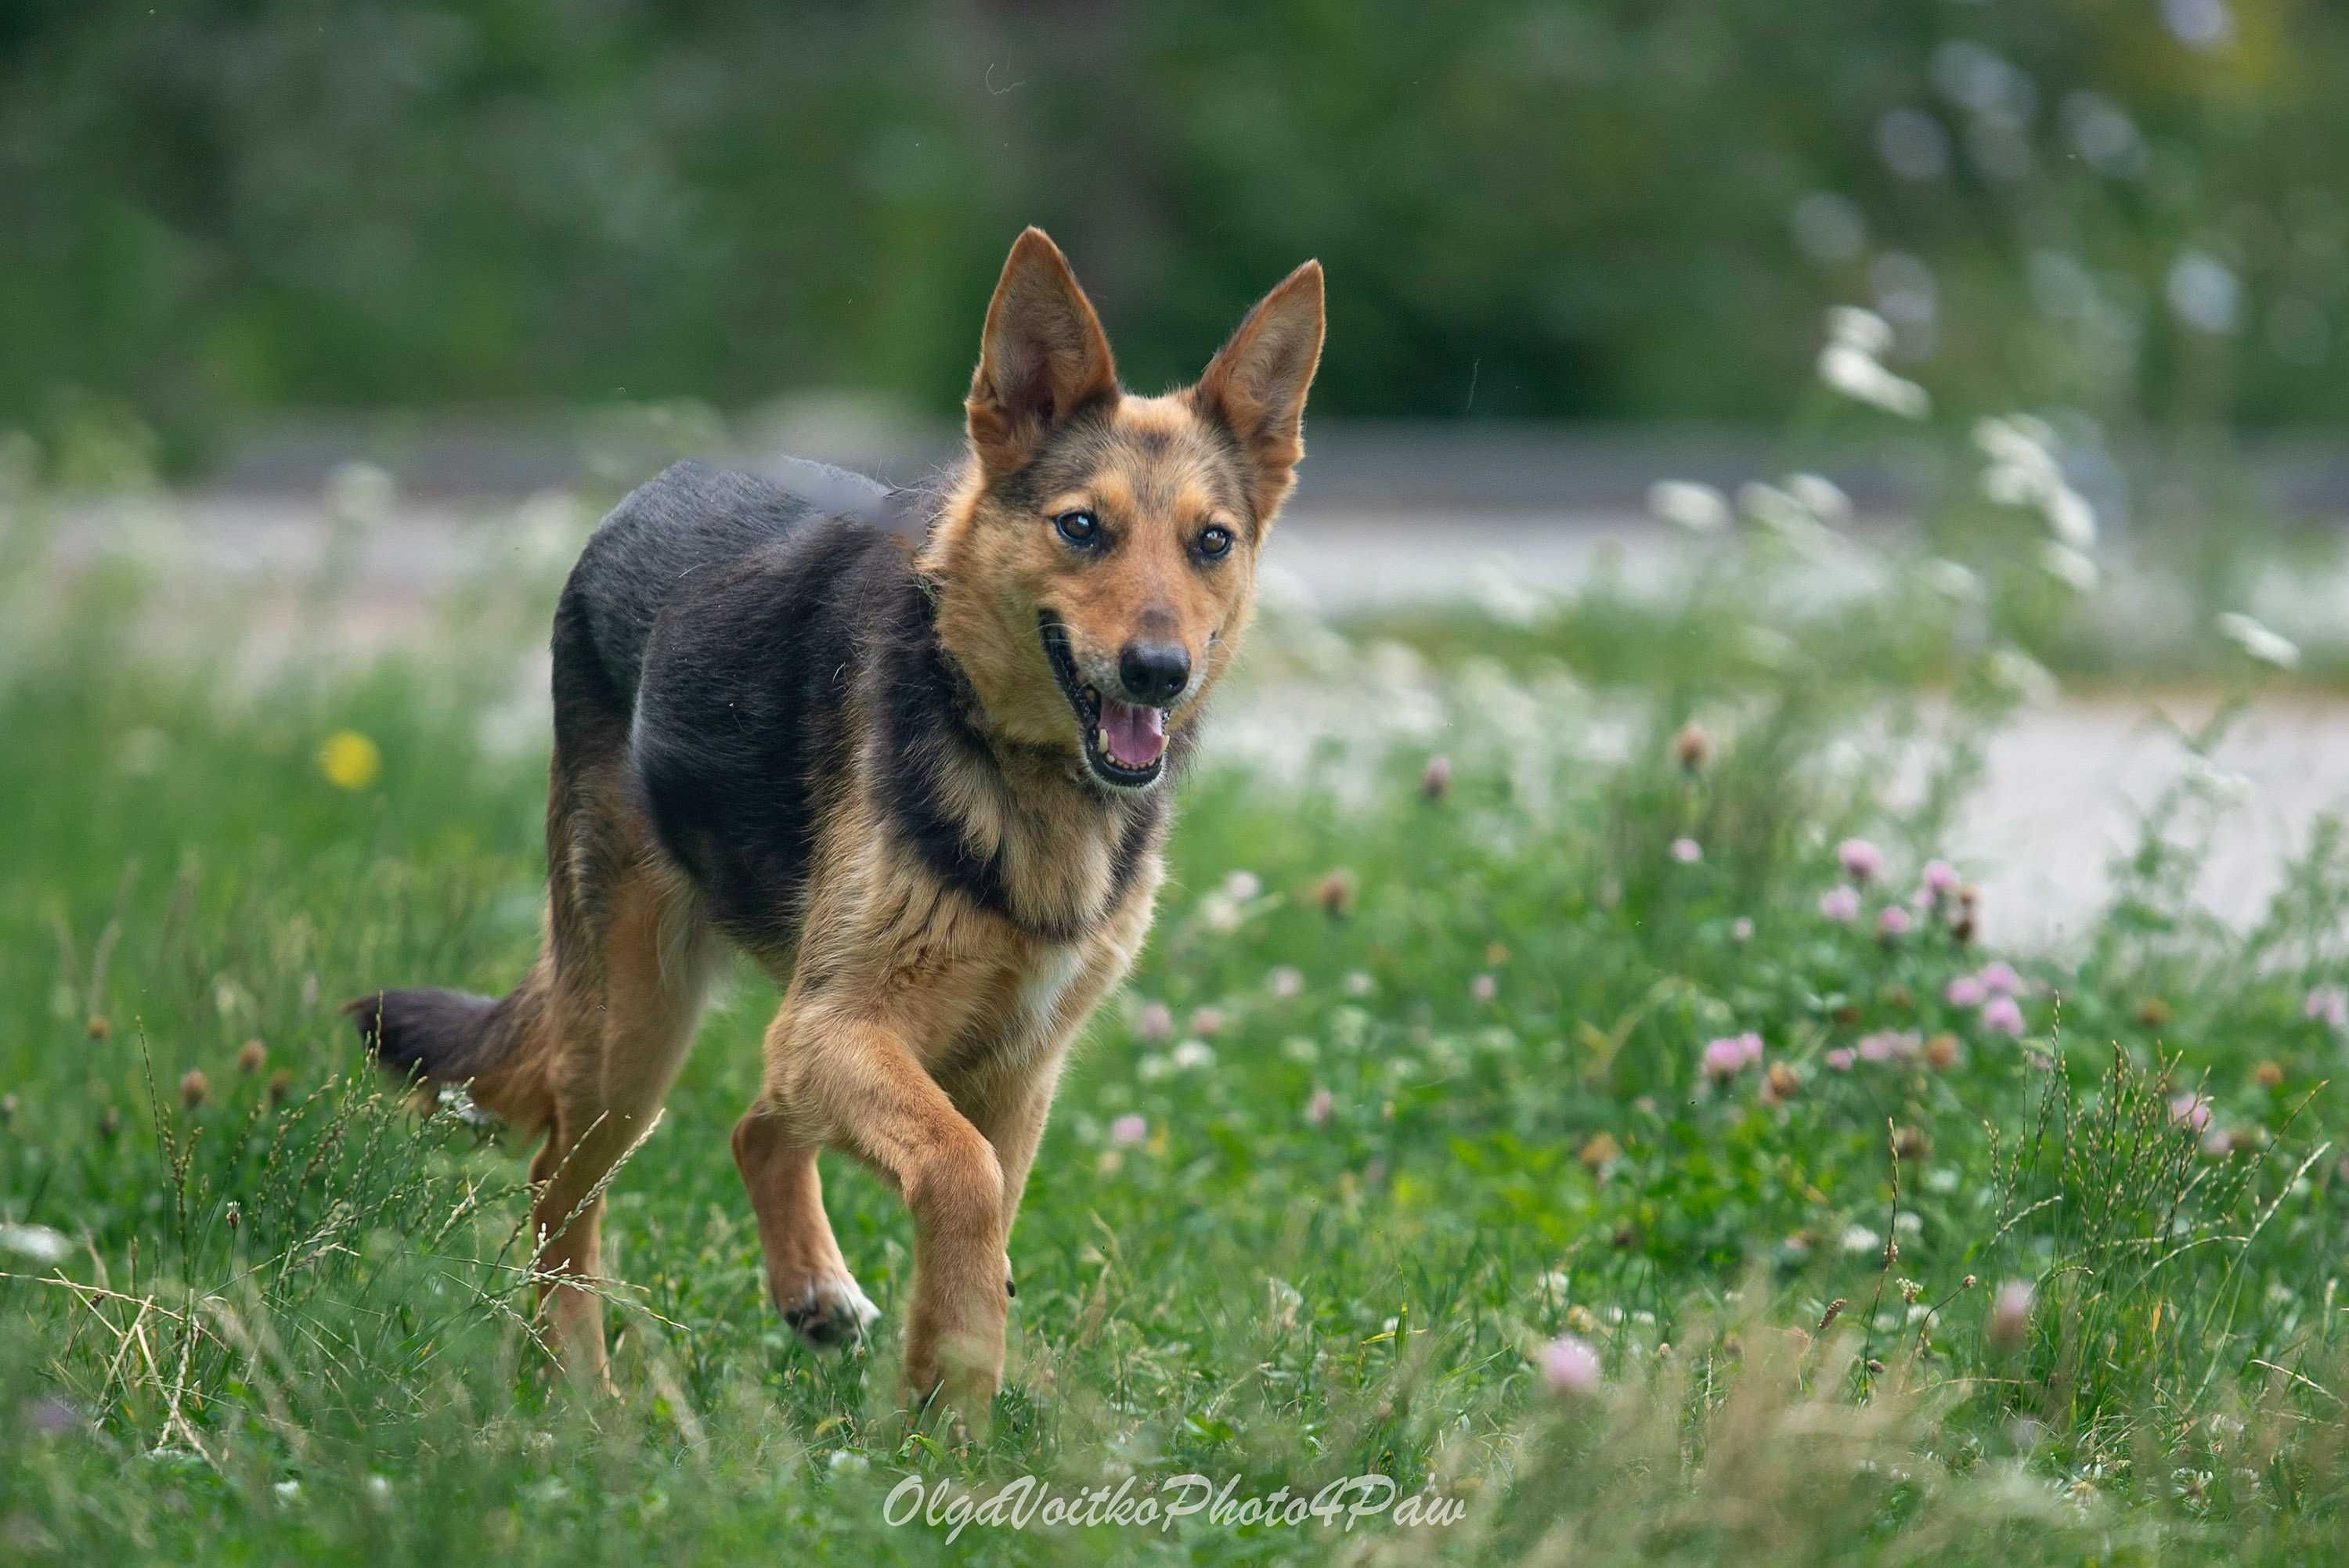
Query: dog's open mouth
[(1124, 743)]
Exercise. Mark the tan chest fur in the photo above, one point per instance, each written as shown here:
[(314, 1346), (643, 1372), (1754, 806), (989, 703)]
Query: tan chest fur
[(1027, 998), (971, 993)]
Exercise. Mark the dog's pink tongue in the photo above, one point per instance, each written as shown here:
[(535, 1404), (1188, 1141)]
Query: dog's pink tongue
[(1136, 735)]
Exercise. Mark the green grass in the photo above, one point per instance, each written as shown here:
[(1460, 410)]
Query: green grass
[(292, 1327)]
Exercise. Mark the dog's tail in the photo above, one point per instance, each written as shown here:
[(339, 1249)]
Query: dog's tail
[(500, 1049)]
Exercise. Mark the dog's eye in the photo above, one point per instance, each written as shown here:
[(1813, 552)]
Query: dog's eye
[(1078, 527), (1216, 543)]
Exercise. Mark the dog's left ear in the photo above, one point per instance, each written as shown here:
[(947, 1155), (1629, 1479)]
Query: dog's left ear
[(1041, 356), (1255, 387)]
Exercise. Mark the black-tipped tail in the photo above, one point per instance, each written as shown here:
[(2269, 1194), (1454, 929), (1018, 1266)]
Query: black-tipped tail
[(440, 1035), (498, 1048)]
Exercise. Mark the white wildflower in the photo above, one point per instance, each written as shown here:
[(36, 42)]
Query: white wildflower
[(1858, 376), (2268, 648), (38, 1243), (1698, 507), (2069, 516), (2010, 484), (1192, 1054), (1856, 328), (2024, 471), (2018, 439), (2069, 566), (1952, 581), (1821, 496), (1220, 914)]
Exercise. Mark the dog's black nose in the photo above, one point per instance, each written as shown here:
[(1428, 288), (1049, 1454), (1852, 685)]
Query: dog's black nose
[(1154, 672)]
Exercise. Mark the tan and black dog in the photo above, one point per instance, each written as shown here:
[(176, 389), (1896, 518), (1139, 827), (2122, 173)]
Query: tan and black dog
[(923, 789)]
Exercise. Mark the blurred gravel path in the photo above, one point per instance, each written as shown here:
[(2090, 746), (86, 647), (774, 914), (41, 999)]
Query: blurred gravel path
[(2064, 790)]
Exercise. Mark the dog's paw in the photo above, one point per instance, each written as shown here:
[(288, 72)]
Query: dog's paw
[(831, 1311)]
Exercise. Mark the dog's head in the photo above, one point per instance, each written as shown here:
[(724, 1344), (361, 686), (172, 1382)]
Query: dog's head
[(1095, 569)]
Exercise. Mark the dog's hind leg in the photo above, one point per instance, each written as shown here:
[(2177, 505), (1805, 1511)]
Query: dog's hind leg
[(626, 1020)]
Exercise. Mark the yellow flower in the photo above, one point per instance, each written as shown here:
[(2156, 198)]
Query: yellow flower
[(349, 759)]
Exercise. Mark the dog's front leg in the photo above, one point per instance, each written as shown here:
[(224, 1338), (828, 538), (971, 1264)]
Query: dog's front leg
[(1013, 1121), (860, 1083)]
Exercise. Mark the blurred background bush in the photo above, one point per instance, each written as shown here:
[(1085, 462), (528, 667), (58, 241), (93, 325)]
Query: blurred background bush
[(1574, 209)]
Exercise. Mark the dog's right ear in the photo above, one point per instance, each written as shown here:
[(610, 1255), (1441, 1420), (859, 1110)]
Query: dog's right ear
[(1042, 356)]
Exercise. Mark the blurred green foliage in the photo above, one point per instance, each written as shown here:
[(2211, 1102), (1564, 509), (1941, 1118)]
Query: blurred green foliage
[(1529, 208)]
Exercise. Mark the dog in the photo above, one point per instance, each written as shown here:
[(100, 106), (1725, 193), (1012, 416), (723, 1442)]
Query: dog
[(923, 786)]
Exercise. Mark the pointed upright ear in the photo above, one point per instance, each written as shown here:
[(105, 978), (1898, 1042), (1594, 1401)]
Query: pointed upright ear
[(1042, 358), (1256, 385)]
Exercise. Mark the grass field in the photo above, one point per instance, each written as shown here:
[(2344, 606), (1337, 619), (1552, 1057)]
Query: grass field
[(1885, 1247)]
